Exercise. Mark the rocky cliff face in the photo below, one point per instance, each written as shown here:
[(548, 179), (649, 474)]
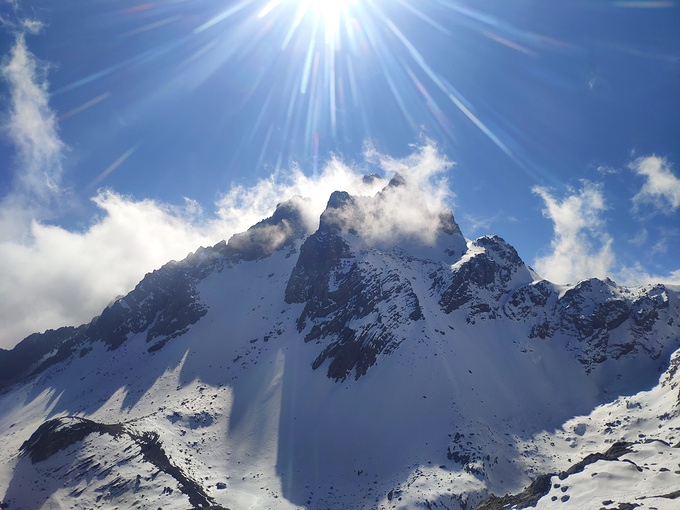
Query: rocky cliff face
[(601, 319)]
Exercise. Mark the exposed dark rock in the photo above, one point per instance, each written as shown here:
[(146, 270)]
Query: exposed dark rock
[(359, 291), (671, 495), (479, 271), (60, 433), (448, 225), (371, 178), (19, 362), (319, 254), (396, 181), (163, 303), (588, 313), (491, 270), (528, 497), (613, 453), (152, 451), (542, 485), (528, 300), (338, 289)]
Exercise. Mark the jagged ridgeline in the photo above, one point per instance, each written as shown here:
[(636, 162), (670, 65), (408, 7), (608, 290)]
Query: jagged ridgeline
[(375, 359)]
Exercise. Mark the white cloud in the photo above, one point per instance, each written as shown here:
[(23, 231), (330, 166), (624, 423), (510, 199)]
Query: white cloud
[(425, 168), (31, 125), (606, 170), (51, 276), (54, 277), (640, 238), (661, 188), (581, 247), (638, 275), (661, 246), (32, 26), (243, 206), (65, 278), (411, 211), (399, 213)]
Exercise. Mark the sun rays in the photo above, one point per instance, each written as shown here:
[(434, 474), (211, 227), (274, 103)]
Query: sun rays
[(323, 74), (330, 75)]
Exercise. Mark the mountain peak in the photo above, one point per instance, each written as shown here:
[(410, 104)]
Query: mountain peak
[(286, 225), (371, 178), (396, 181), (401, 216)]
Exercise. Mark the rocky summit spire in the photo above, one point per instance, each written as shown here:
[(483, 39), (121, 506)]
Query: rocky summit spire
[(286, 225)]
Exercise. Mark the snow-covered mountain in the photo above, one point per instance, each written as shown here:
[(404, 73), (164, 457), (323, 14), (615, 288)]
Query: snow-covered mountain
[(380, 361)]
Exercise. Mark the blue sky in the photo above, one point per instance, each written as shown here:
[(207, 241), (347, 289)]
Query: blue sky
[(135, 131)]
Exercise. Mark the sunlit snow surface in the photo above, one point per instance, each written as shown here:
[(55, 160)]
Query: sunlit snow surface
[(239, 410)]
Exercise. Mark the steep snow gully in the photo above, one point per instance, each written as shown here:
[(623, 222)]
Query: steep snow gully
[(347, 368)]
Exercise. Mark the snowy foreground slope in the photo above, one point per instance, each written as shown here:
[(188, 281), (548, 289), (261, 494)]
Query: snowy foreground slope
[(351, 367)]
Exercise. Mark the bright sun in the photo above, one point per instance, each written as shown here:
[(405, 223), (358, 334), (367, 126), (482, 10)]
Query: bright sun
[(328, 6), (329, 12), (324, 7)]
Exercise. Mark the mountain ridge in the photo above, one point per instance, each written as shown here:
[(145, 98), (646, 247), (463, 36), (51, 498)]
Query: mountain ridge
[(298, 367)]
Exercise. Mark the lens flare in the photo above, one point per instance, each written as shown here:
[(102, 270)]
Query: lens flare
[(326, 75), (328, 8)]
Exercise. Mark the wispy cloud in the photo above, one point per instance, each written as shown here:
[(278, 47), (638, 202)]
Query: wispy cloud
[(661, 189), (665, 238), (607, 170), (31, 26), (581, 247), (31, 124), (475, 224), (661, 246), (638, 275), (640, 238), (412, 210)]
